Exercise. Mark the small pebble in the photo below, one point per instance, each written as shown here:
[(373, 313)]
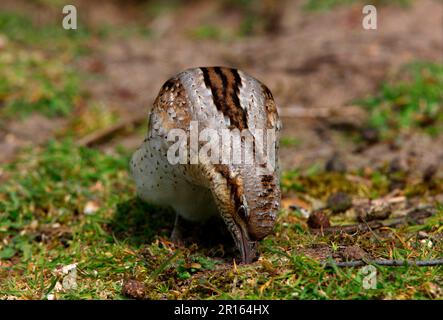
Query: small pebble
[(426, 242), (422, 235), (339, 202), (90, 208), (379, 211)]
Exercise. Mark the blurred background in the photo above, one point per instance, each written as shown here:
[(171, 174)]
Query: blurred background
[(347, 95), (362, 112)]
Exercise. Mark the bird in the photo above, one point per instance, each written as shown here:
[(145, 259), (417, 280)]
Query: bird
[(197, 184)]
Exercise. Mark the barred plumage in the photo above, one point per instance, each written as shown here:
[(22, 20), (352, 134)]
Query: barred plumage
[(247, 196)]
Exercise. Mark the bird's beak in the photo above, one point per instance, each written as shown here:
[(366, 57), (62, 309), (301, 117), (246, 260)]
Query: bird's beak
[(248, 248)]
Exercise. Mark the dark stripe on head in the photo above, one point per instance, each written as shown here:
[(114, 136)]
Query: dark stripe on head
[(235, 93), (223, 78), (237, 80), (216, 89), (206, 79), (225, 84), (232, 91)]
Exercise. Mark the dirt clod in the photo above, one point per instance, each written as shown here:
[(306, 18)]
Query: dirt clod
[(349, 253), (318, 220), (134, 289)]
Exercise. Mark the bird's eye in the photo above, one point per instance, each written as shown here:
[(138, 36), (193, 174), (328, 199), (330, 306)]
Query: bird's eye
[(243, 212)]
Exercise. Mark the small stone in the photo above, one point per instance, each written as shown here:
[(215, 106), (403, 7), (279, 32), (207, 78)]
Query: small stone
[(64, 270), (339, 202), (68, 274), (318, 220), (422, 235), (374, 211), (427, 243), (134, 289), (68, 268), (90, 208), (70, 280)]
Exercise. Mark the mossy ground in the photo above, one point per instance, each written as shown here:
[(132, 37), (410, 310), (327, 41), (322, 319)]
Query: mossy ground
[(44, 224)]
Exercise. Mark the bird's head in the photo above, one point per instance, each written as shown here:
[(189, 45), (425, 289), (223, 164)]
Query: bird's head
[(251, 208)]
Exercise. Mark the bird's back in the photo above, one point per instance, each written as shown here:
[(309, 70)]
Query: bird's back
[(216, 96), (210, 97)]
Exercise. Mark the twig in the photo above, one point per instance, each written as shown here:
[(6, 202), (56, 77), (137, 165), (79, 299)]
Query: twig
[(387, 200), (105, 134), (372, 225), (353, 228), (388, 263)]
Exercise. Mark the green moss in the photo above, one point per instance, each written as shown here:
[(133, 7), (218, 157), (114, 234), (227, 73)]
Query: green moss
[(320, 184), (33, 80), (413, 101)]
